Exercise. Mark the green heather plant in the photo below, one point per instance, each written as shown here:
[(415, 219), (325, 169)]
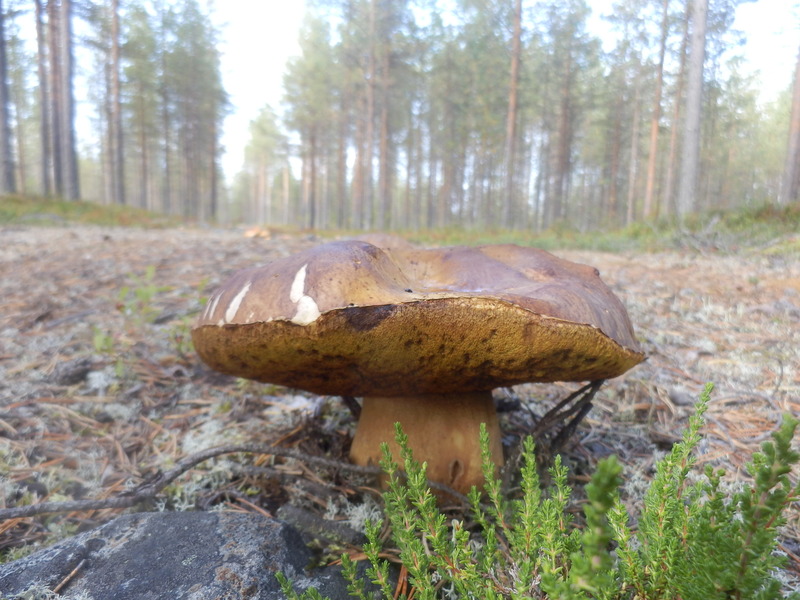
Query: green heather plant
[(137, 301), (692, 542)]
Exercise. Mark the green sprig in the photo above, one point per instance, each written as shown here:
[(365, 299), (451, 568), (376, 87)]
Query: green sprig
[(693, 542)]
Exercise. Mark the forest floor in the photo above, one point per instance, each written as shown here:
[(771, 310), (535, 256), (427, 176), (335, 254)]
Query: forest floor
[(100, 389)]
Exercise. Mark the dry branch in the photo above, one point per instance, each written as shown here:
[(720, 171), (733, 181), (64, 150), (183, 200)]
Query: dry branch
[(149, 489)]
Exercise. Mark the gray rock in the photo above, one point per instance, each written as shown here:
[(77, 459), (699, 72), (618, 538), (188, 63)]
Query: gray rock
[(72, 371), (172, 556)]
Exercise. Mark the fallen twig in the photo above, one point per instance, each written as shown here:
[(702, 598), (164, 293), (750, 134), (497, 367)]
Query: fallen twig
[(149, 489)]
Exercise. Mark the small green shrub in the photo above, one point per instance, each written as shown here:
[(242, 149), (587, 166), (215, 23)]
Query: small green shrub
[(693, 542), (137, 301)]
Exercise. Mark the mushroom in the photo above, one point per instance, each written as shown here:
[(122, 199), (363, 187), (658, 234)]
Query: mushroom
[(423, 335)]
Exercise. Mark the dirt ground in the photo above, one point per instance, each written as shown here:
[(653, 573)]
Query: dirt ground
[(99, 387)]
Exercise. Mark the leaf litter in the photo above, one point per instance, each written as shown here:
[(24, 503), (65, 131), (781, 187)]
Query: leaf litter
[(100, 390)]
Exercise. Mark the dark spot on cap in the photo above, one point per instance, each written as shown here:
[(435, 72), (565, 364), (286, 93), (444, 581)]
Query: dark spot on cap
[(365, 318)]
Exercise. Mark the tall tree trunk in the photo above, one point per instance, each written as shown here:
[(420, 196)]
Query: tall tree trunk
[(286, 193), (384, 160), (614, 162), (668, 204), (790, 187), (419, 180), (56, 95), (564, 144), (649, 209), (107, 162), (70, 152), (341, 166), (633, 164), (687, 192), (312, 180), (186, 177), (7, 182), (509, 215), (117, 149), (213, 175), (405, 215), (268, 212), (44, 102), (540, 214), (432, 182), (20, 95), (167, 205), (366, 219), (166, 122), (359, 168), (144, 158)]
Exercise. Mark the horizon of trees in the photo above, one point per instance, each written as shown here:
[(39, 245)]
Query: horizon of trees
[(402, 115), (509, 114)]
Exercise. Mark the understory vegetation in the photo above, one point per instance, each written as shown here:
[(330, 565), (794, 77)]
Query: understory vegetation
[(692, 538), (763, 225), (37, 210)]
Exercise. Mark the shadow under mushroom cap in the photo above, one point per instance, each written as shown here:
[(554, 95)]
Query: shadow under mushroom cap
[(348, 318)]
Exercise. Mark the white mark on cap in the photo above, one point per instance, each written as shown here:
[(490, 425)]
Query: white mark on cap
[(298, 285), (307, 309), (233, 307), (211, 306)]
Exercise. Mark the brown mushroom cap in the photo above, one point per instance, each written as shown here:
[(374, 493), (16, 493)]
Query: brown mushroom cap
[(349, 318)]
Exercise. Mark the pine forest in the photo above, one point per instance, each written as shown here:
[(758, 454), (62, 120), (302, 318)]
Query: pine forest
[(401, 114)]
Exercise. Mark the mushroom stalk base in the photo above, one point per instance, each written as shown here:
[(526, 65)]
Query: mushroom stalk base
[(442, 430)]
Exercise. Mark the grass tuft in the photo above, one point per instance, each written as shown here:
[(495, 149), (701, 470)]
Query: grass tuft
[(36, 210)]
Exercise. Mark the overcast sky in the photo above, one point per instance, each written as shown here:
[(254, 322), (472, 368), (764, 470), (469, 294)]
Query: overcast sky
[(259, 38)]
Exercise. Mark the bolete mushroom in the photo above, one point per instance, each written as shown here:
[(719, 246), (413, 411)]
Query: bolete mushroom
[(423, 335)]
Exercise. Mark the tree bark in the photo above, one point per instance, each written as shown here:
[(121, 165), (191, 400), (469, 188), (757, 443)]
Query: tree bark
[(509, 211), (687, 192), (312, 180), (166, 116), (19, 93), (384, 177), (213, 175), (614, 161), (790, 187), (369, 142), (341, 166), (7, 182), (359, 178), (56, 96), (144, 156), (44, 102), (633, 160), (117, 149), (70, 152), (561, 172), (668, 205), (649, 205)]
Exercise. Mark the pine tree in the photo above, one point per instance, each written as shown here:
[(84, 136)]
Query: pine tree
[(7, 181)]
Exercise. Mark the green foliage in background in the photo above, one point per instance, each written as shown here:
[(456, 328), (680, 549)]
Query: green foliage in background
[(769, 228), (693, 540), (34, 210)]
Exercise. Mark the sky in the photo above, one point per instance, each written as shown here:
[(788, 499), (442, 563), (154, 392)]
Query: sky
[(259, 37)]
